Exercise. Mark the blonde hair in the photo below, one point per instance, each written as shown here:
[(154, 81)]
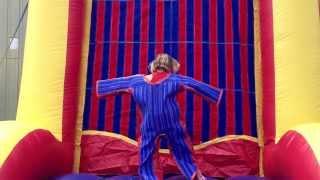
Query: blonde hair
[(164, 62)]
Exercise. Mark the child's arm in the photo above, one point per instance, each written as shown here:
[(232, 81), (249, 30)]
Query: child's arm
[(210, 93), (113, 86)]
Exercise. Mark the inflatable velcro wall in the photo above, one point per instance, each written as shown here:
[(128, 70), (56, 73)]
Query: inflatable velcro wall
[(263, 54)]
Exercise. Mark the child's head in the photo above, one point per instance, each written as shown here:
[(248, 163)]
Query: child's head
[(164, 62)]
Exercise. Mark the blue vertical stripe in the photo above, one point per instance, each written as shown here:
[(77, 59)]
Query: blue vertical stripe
[(135, 65), (237, 68), (175, 27), (132, 120), (122, 26), (92, 47), (221, 67), (205, 69), (190, 72), (152, 30), (251, 68), (167, 26), (105, 62)]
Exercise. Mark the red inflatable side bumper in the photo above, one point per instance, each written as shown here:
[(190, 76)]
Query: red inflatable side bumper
[(39, 155), (291, 158)]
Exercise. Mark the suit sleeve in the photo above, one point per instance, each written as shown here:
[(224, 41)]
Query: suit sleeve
[(113, 86), (208, 92)]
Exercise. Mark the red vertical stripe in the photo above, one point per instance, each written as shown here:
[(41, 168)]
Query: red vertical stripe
[(112, 65), (244, 66), (126, 99), (144, 37), (182, 36), (229, 68), (159, 27), (72, 74), (182, 55), (72, 70), (97, 65), (197, 115), (268, 74), (213, 65)]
